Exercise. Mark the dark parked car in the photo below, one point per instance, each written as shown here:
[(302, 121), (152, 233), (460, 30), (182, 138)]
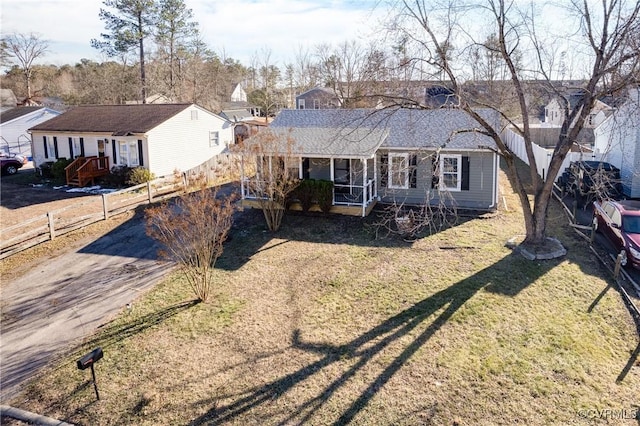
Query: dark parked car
[(587, 181), (619, 221), (10, 165)]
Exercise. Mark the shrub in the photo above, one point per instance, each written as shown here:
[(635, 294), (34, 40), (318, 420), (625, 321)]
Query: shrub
[(117, 177), (324, 195), (57, 169), (305, 193), (139, 175), (45, 169)]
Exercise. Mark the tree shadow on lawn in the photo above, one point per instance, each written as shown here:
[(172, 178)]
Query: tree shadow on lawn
[(500, 278), (249, 234)]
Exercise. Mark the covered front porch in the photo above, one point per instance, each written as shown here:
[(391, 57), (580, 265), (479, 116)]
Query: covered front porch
[(354, 189)]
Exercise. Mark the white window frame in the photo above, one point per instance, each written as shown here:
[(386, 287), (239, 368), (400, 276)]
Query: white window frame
[(214, 139), (457, 173), (403, 158), (301, 104), (316, 104), (77, 150), (51, 147), (128, 153)]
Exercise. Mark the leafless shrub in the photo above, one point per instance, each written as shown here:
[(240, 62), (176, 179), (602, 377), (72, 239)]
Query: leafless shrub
[(192, 231), (408, 222), (271, 155)]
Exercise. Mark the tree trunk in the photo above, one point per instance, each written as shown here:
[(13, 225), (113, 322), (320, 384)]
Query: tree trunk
[(143, 77)]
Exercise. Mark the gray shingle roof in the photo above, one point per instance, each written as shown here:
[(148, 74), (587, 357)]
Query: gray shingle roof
[(327, 142), (114, 119), (404, 128)]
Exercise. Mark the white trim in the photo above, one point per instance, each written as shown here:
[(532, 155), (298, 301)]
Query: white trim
[(404, 157), (458, 172)]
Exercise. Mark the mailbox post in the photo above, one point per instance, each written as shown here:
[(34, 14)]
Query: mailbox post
[(88, 361)]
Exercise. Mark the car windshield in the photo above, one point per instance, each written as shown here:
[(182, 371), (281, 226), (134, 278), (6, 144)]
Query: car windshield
[(631, 224)]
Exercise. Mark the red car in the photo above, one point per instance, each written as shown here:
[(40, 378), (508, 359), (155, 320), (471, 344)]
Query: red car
[(10, 165), (619, 221)]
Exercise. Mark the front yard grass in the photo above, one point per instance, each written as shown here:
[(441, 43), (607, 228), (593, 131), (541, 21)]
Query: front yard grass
[(321, 323)]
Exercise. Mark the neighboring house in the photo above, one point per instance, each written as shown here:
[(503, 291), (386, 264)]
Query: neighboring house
[(238, 94), (404, 156), (14, 124), (617, 141), (554, 110), (159, 137), (240, 111), (317, 98)]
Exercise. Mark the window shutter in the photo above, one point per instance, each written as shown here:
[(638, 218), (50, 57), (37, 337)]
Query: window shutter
[(140, 161), (81, 147), (71, 148), (113, 151), (413, 171), (305, 168), (55, 147), (384, 170), (435, 178), (465, 174), (46, 149)]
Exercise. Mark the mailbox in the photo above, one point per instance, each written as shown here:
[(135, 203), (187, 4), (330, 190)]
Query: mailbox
[(89, 359)]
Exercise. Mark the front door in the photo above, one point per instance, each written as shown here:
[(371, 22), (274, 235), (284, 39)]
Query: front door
[(101, 152)]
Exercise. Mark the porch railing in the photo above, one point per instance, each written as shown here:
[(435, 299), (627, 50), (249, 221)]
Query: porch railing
[(342, 194), (85, 169)]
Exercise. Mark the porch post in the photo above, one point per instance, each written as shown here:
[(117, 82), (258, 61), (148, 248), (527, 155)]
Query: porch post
[(300, 171), (333, 179), (242, 176), (365, 197), (375, 175)]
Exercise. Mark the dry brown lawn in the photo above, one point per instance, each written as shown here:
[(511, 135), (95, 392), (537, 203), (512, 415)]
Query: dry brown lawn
[(321, 323)]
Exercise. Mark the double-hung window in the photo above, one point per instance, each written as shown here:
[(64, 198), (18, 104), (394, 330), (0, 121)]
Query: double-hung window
[(128, 153), (398, 171), (214, 139), (451, 172)]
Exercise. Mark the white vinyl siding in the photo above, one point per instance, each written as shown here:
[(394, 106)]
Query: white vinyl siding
[(181, 144)]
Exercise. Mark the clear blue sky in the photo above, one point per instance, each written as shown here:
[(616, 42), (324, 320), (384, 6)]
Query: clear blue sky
[(237, 28)]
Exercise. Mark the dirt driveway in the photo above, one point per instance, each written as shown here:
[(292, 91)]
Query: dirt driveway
[(61, 291)]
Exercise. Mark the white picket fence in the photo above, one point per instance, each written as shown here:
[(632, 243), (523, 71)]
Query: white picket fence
[(515, 143)]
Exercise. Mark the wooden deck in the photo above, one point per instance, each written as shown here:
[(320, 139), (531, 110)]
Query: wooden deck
[(86, 169)]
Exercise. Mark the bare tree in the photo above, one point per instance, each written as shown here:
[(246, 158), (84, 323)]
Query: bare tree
[(192, 232), (605, 30), (271, 155), (25, 49)]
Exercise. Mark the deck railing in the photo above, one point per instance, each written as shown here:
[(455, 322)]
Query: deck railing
[(85, 169)]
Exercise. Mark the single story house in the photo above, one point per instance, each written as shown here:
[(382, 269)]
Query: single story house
[(318, 98), (159, 137), (14, 123), (394, 155)]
